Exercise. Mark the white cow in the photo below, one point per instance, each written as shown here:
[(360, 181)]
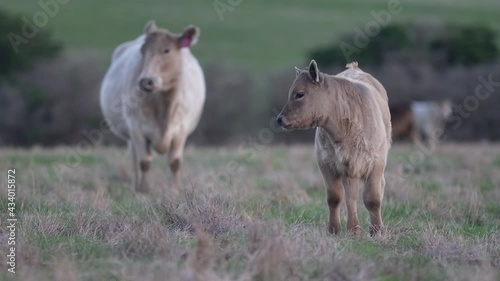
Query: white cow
[(430, 119), (153, 95)]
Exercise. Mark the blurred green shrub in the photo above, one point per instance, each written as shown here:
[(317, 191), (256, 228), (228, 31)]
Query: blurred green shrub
[(466, 45), (443, 46), (55, 102), (390, 38), (19, 52)]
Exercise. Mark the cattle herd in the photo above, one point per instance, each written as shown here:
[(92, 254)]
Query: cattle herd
[(153, 93)]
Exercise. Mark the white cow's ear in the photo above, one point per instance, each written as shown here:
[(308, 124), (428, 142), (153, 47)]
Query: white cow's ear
[(297, 71), (314, 71), (189, 37), (150, 27)]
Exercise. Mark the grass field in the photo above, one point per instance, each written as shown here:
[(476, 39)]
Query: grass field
[(266, 221), (257, 35)]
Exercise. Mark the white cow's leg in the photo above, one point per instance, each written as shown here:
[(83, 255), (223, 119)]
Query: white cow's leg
[(135, 171), (141, 157), (175, 158)]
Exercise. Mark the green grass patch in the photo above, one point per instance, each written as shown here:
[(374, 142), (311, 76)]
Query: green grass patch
[(262, 182), (486, 230), (486, 186), (86, 249), (388, 278), (398, 213), (496, 162), (120, 191), (367, 248), (430, 186), (127, 208), (316, 193), (418, 261), (493, 209), (39, 207), (304, 214), (82, 247), (409, 241)]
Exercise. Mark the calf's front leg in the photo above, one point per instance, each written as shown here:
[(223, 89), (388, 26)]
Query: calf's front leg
[(334, 197)]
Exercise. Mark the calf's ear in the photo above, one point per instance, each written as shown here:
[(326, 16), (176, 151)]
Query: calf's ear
[(297, 71), (150, 27), (314, 71), (189, 37)]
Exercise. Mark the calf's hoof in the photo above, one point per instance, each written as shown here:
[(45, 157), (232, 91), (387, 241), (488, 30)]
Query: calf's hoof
[(332, 229), (355, 230), (377, 229)]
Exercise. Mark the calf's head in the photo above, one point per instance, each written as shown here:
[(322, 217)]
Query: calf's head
[(161, 57), (305, 108)]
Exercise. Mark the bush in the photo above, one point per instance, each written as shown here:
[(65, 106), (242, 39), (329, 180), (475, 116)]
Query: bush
[(416, 42), (24, 56), (391, 38), (229, 112), (53, 103), (467, 45)]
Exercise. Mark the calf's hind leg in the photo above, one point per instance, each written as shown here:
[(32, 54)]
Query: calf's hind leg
[(351, 186), (372, 197)]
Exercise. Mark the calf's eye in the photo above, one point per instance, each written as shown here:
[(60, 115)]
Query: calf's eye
[(299, 95), (166, 51)]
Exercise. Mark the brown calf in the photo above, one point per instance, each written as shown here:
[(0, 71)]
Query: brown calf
[(353, 135)]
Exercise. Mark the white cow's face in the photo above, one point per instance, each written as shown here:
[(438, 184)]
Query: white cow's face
[(162, 58)]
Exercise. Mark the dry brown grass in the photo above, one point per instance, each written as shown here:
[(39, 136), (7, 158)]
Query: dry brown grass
[(267, 221)]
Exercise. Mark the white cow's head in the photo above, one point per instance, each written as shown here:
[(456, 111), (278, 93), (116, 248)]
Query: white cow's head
[(162, 58)]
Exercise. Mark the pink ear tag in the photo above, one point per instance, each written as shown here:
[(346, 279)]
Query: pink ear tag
[(186, 42)]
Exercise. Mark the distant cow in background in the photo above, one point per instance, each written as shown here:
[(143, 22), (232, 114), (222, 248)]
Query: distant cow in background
[(419, 120), (403, 122), (153, 96)]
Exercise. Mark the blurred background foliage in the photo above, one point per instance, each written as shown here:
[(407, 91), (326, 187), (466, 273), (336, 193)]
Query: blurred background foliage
[(49, 89), (431, 43), (41, 46)]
